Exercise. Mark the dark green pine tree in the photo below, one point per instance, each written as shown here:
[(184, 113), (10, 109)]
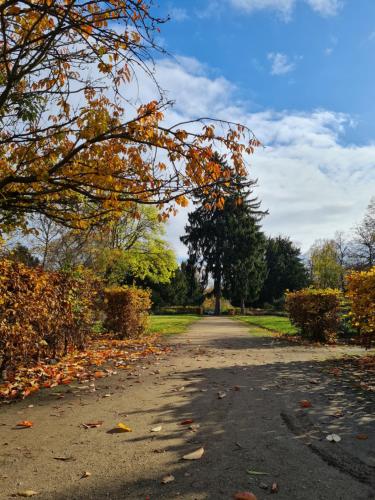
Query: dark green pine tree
[(222, 234), (285, 269), (245, 266), (184, 289)]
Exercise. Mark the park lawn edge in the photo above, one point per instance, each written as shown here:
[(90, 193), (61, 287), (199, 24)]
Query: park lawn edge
[(252, 321), (178, 323)]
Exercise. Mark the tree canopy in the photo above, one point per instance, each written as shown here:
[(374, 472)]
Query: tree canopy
[(326, 270), (72, 145), (224, 242), (285, 269), (363, 251)]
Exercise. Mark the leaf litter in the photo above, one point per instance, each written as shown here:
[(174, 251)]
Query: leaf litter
[(79, 365)]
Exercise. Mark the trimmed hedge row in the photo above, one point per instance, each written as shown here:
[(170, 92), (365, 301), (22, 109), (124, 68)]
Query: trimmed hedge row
[(43, 314), (320, 314), (315, 312), (127, 311), (180, 310), (361, 295)]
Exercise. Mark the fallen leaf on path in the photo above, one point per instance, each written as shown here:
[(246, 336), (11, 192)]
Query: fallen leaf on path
[(194, 455), (167, 479), (333, 438), (124, 427), (305, 403), (25, 424), (257, 473), (158, 428), (93, 425), (362, 437), (188, 421), (27, 493), (221, 395), (86, 474), (99, 374), (244, 495), (314, 381), (194, 427), (274, 488)]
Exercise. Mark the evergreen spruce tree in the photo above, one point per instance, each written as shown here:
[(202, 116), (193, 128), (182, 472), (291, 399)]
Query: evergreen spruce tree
[(224, 239)]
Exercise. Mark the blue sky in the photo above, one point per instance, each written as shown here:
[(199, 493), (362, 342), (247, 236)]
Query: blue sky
[(329, 56), (302, 74)]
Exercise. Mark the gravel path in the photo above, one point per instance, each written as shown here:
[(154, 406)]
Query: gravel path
[(244, 393)]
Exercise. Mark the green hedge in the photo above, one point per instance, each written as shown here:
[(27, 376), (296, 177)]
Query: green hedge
[(180, 310)]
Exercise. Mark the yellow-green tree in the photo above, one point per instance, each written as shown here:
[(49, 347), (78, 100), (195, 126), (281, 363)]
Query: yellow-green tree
[(326, 270)]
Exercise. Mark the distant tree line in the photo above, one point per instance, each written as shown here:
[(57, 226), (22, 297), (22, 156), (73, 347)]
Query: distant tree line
[(329, 260), (229, 255)]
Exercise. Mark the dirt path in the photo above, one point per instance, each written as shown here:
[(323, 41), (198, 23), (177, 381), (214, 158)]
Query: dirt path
[(257, 426)]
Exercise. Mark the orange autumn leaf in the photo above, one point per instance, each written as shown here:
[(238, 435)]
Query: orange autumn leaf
[(25, 423), (305, 403)]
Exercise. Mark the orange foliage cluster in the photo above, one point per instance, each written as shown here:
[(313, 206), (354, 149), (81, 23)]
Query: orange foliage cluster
[(42, 314), (315, 312), (82, 366), (92, 157), (361, 294), (126, 310)]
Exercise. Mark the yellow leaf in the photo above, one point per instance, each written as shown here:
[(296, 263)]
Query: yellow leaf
[(124, 427)]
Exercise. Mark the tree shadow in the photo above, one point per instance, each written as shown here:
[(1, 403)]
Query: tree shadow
[(245, 431)]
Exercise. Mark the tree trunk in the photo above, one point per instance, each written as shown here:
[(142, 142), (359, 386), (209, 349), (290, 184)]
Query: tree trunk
[(217, 289), (242, 305)]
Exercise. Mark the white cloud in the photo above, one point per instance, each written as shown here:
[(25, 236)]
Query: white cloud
[(312, 183), (325, 7), (178, 14), (286, 7), (280, 63)]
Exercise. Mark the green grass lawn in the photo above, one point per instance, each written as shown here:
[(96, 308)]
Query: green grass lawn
[(277, 324), (171, 324)]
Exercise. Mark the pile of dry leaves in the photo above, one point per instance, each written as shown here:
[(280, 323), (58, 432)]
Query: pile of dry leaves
[(82, 365)]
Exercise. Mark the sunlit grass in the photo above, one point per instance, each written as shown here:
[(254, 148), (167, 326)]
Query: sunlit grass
[(172, 324), (276, 324)]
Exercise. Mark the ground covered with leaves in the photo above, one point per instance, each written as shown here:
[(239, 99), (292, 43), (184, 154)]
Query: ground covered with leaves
[(103, 357)]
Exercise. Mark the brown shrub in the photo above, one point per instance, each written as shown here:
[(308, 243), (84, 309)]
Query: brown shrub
[(361, 295), (127, 311), (315, 312), (42, 314)]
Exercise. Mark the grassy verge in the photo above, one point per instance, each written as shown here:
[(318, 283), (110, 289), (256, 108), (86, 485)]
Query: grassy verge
[(275, 324), (171, 324)]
